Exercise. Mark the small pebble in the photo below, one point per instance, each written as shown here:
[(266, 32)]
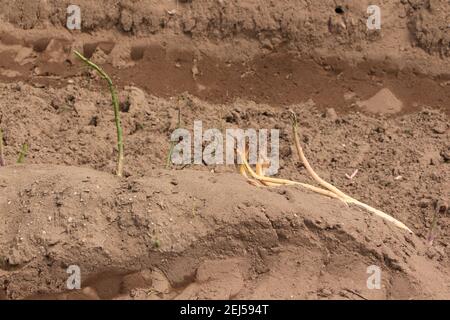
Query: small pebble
[(331, 114)]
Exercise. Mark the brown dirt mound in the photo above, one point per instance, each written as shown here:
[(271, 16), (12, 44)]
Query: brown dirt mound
[(180, 232), (206, 233)]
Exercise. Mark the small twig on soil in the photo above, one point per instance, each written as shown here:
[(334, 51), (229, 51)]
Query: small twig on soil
[(23, 153), (356, 293), (172, 144), (353, 175), (305, 161), (115, 102), (2, 157)]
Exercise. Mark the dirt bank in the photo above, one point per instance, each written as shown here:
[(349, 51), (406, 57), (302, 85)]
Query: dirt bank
[(404, 156), (181, 229)]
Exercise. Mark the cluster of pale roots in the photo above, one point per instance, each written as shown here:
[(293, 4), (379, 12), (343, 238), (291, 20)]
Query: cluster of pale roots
[(257, 177)]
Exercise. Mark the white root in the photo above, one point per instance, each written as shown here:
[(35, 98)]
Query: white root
[(344, 197)]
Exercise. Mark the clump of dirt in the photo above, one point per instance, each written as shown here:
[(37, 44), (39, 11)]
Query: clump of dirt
[(383, 102), (430, 25)]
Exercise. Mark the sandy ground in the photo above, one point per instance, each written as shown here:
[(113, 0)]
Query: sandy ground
[(371, 101)]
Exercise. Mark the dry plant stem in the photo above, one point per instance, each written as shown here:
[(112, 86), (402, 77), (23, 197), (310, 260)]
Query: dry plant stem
[(2, 158), (341, 195), (115, 102), (23, 153), (308, 167), (431, 234), (277, 182)]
